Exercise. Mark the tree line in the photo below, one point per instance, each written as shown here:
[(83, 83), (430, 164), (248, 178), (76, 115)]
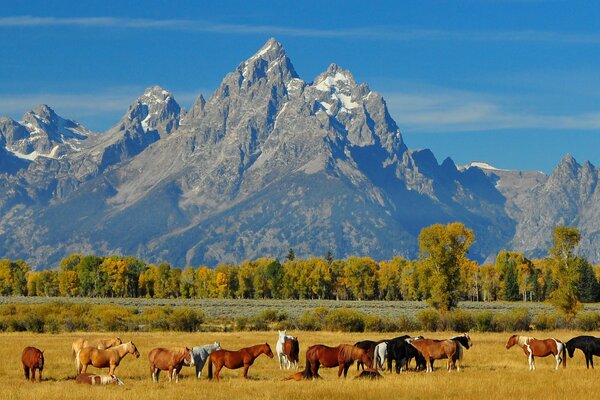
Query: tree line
[(442, 274)]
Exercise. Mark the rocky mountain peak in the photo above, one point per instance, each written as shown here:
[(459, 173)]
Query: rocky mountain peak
[(155, 109), (270, 61)]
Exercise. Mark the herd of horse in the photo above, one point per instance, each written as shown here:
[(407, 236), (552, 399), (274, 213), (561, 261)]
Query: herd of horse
[(368, 354)]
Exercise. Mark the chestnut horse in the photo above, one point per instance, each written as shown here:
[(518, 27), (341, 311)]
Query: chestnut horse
[(291, 349), (110, 357), (342, 356), (236, 359), (32, 358), (450, 349), (101, 344), (169, 359), (539, 348)]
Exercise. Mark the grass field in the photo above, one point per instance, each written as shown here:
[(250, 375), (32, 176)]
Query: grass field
[(489, 371)]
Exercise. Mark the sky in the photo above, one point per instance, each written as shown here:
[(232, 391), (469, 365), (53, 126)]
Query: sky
[(512, 83)]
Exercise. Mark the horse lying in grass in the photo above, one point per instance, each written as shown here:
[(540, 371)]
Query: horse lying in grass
[(589, 345), (539, 348), (171, 360), (109, 358), (32, 359), (236, 359), (92, 379), (200, 355)]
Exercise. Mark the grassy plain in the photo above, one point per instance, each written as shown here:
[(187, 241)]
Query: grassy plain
[(490, 371)]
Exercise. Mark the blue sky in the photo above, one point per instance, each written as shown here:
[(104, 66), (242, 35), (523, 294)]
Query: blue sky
[(513, 83)]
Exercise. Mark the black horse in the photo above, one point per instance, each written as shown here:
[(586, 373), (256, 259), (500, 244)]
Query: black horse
[(589, 345), (369, 346), (402, 352)]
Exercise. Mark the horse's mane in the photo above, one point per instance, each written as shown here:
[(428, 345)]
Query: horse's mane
[(462, 339), (523, 340)]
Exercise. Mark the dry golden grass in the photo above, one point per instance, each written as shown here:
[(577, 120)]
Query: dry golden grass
[(490, 371)]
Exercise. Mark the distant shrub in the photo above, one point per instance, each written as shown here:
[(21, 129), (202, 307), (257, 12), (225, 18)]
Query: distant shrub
[(406, 324), (185, 319), (457, 320), (374, 323), (345, 320), (313, 320), (429, 319), (517, 319), (588, 321), (270, 316), (545, 321), (485, 321)]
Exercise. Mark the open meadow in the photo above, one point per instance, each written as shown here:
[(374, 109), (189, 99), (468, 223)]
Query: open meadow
[(489, 371)]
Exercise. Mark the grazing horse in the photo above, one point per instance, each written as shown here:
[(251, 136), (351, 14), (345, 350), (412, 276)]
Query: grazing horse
[(236, 359), (32, 359), (539, 348), (92, 379), (200, 355), (171, 360), (110, 357), (284, 361), (101, 344), (589, 345), (400, 350), (342, 356), (380, 355), (449, 349), (369, 346), (291, 349)]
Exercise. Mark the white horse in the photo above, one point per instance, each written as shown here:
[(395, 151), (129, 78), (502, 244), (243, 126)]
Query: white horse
[(380, 355), (200, 355), (281, 356)]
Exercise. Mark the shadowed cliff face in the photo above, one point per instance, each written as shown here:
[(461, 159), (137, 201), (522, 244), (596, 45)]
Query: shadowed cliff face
[(268, 162)]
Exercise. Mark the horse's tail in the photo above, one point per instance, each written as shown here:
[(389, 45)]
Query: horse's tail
[(78, 364), (307, 373), (564, 355), (210, 372)]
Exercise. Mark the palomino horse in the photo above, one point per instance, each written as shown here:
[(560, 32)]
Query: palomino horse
[(101, 344), (236, 359), (200, 355), (342, 356), (32, 359), (169, 359), (291, 349), (451, 349), (539, 348), (93, 379), (589, 345), (110, 357)]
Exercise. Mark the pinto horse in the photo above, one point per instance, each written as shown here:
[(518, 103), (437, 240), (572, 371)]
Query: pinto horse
[(589, 345), (101, 344), (291, 349), (539, 348), (236, 359), (342, 356), (32, 359), (449, 349), (169, 359), (110, 357)]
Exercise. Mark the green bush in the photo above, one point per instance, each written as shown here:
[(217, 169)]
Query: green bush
[(429, 319), (517, 319), (588, 321), (406, 324), (458, 320), (545, 321), (270, 316), (313, 320), (485, 321), (345, 320), (185, 319), (374, 323)]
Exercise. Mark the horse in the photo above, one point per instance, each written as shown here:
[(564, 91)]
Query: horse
[(110, 357), (200, 355), (162, 359), (342, 356), (380, 355), (539, 348), (400, 350), (369, 346), (589, 345), (450, 349), (32, 359), (101, 344), (281, 356), (236, 359), (92, 379), (291, 349)]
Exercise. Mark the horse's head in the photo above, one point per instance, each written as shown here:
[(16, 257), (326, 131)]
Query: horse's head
[(570, 349), (512, 341), (187, 357), (469, 342), (40, 362), (282, 334), (267, 350), (117, 341), (115, 380), (133, 350)]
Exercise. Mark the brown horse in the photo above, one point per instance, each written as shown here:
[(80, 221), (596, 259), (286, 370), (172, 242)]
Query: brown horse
[(101, 344), (236, 359), (533, 347), (110, 357), (291, 348), (342, 356), (169, 359), (32, 358), (433, 349)]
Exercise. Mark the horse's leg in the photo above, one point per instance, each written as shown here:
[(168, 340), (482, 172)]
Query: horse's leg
[(347, 367), (558, 360), (40, 376), (279, 359), (111, 369), (26, 372), (245, 374), (83, 368), (592, 360), (33, 374), (170, 373), (217, 370)]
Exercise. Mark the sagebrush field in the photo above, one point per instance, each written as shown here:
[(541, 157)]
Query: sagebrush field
[(489, 371)]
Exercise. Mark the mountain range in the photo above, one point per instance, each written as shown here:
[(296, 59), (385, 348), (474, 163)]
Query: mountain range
[(269, 162)]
